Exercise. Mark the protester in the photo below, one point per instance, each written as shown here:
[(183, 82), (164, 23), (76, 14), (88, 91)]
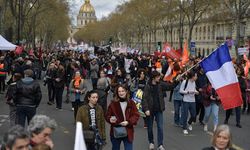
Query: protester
[(92, 118), (221, 139), (9, 98), (153, 105), (201, 82), (211, 102), (94, 69), (122, 112), (178, 106), (40, 130), (103, 87), (49, 81), (16, 138), (139, 84), (119, 78), (78, 89), (188, 89), (27, 96), (59, 81)]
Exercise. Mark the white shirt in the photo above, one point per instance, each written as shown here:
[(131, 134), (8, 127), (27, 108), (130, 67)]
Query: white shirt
[(124, 106), (191, 87)]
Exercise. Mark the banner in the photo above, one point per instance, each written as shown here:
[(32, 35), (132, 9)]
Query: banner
[(137, 98)]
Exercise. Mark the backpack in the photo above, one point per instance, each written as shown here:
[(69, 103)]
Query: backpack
[(185, 86)]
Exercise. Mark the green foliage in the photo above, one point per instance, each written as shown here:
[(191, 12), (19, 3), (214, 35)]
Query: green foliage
[(46, 20)]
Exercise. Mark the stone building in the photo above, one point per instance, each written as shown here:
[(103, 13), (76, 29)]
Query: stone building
[(206, 35)]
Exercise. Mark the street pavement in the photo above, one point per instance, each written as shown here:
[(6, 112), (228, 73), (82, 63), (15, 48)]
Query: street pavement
[(174, 139)]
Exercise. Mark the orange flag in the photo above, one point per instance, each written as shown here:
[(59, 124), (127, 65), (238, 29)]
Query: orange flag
[(185, 54)]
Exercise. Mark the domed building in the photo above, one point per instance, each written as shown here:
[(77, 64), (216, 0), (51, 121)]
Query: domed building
[(86, 14)]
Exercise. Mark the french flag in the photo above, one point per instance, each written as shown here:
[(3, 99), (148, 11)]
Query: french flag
[(220, 71)]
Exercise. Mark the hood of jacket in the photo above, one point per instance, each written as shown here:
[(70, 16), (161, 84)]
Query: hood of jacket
[(27, 80)]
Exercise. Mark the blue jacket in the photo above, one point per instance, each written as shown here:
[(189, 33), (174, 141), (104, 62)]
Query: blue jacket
[(176, 93)]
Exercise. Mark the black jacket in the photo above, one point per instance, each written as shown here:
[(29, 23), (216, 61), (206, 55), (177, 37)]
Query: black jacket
[(147, 99), (27, 93)]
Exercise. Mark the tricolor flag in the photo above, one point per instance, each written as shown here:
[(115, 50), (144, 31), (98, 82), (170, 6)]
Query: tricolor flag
[(220, 71)]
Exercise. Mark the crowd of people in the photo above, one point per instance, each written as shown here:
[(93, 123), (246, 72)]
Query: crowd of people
[(122, 75)]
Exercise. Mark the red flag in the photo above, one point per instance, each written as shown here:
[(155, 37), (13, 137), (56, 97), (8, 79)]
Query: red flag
[(19, 50), (169, 52)]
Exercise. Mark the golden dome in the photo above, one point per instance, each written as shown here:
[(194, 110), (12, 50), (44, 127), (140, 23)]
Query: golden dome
[(87, 7)]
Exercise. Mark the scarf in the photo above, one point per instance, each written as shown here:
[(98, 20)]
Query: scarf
[(77, 81)]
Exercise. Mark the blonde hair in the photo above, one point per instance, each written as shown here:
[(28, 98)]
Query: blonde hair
[(219, 129)]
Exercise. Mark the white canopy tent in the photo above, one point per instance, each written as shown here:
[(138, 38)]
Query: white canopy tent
[(6, 45)]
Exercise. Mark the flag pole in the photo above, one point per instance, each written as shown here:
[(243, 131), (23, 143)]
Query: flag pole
[(199, 62)]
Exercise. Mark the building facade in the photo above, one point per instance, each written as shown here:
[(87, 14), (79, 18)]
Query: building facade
[(206, 35)]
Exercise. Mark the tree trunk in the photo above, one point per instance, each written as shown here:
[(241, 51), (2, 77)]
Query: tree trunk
[(171, 36), (150, 41), (237, 36)]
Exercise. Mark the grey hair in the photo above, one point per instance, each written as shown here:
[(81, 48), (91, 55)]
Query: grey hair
[(14, 133), (220, 129), (39, 122)]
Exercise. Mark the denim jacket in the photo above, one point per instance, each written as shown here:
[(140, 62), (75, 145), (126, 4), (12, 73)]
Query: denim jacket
[(176, 94)]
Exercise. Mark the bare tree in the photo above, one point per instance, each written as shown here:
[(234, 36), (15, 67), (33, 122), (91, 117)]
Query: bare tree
[(238, 10)]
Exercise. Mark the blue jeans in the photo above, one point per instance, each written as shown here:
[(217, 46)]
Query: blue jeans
[(211, 109), (158, 116), (116, 142), (191, 107), (177, 114)]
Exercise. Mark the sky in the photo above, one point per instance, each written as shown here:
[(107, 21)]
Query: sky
[(102, 7)]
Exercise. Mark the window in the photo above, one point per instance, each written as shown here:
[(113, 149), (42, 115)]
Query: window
[(200, 33), (213, 32), (204, 33), (208, 33)]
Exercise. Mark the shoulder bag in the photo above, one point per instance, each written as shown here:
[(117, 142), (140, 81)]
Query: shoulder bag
[(120, 132)]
